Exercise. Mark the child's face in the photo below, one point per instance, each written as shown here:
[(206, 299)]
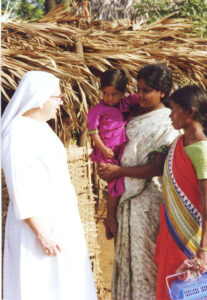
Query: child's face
[(180, 117), (111, 96)]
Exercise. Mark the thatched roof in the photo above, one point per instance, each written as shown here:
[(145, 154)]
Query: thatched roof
[(77, 50)]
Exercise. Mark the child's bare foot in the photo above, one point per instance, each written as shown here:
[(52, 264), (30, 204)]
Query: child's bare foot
[(112, 224), (109, 234)]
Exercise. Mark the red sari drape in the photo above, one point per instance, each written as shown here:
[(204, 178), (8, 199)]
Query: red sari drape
[(180, 216)]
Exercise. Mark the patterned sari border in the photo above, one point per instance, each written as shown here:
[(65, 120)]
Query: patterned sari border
[(182, 218)]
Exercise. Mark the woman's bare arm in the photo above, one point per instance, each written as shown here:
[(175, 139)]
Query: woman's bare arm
[(109, 172)]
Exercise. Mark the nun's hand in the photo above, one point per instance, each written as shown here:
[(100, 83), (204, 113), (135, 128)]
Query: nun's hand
[(49, 243), (44, 235)]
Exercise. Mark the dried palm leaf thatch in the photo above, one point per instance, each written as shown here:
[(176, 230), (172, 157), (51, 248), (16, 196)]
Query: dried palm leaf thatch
[(77, 50)]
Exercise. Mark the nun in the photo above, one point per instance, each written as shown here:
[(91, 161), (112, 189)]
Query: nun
[(45, 253)]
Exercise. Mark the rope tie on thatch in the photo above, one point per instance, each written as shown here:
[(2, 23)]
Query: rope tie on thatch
[(86, 8), (79, 47)]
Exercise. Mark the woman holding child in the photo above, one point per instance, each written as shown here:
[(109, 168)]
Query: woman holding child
[(149, 133)]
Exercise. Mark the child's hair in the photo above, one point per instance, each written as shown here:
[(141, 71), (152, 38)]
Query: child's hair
[(192, 95), (115, 77), (158, 76)]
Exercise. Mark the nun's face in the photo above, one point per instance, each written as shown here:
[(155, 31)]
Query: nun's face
[(52, 105)]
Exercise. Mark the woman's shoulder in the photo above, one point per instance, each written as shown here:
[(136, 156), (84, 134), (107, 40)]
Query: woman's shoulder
[(17, 128), (25, 124), (165, 111), (159, 116), (25, 129), (17, 140), (163, 116), (200, 146), (197, 151)]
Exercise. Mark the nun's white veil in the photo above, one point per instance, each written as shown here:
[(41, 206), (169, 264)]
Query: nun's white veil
[(35, 88)]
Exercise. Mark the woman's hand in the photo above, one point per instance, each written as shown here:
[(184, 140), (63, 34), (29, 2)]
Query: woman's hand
[(191, 269), (45, 237), (183, 271), (202, 255), (48, 243), (108, 172)]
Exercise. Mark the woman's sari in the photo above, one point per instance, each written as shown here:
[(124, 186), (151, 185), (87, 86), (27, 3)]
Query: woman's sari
[(135, 272), (180, 217)]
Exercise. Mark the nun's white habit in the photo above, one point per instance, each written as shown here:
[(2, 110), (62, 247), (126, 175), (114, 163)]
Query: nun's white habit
[(36, 173)]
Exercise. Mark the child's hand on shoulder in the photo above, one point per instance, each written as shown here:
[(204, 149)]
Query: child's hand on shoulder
[(107, 152)]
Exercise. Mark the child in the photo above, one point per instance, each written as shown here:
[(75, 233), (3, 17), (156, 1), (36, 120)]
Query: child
[(106, 125), (183, 218)]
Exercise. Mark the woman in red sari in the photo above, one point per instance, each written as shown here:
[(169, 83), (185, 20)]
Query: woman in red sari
[(183, 217)]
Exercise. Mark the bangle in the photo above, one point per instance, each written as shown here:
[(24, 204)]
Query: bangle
[(94, 131), (202, 249)]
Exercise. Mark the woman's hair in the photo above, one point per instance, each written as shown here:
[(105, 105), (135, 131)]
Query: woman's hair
[(158, 77), (192, 96), (115, 77)]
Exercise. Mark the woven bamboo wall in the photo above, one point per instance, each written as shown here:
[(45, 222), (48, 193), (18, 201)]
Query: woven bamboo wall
[(80, 168)]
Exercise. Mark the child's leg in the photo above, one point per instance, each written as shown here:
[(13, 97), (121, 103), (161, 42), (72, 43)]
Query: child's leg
[(109, 234), (110, 221), (115, 188)]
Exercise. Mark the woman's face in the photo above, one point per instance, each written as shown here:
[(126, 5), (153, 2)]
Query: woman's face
[(149, 98), (180, 117), (51, 106), (111, 96)]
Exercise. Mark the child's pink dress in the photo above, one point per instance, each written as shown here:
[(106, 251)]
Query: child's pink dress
[(109, 122)]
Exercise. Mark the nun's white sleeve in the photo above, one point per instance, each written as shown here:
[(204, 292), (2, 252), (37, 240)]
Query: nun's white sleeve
[(27, 178)]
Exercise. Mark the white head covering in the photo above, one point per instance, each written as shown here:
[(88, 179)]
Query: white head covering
[(35, 88)]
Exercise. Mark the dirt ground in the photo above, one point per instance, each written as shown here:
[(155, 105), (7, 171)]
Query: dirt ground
[(106, 257)]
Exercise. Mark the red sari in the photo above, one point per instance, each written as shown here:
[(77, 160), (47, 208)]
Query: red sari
[(180, 216)]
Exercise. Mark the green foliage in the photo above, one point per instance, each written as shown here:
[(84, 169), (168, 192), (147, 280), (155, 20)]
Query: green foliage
[(25, 9), (194, 10)]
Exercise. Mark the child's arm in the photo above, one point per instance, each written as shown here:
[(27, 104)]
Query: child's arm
[(132, 99), (107, 152), (127, 104), (93, 121)]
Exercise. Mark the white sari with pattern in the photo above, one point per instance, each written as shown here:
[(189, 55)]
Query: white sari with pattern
[(134, 274)]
